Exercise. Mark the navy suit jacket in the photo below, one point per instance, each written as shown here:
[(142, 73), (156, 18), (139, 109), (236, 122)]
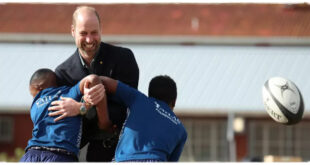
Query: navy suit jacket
[(116, 62)]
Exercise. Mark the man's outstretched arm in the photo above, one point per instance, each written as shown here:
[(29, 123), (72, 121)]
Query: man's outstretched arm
[(99, 99), (67, 107), (109, 85)]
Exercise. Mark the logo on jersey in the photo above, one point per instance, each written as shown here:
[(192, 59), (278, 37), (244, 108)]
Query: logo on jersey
[(47, 99), (166, 114)]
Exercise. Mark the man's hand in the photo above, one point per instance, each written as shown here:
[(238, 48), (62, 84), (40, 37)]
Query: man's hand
[(94, 94), (65, 107)]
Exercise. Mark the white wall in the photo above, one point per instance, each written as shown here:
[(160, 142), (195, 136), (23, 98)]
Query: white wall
[(210, 79)]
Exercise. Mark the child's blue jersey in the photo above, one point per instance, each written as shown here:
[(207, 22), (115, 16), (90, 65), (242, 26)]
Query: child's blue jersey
[(65, 133), (151, 130)]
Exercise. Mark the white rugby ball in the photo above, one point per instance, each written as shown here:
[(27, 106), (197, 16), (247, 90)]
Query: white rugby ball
[(283, 100)]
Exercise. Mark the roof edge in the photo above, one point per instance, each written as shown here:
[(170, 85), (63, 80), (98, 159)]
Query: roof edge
[(224, 113), (14, 109), (159, 39), (219, 112)]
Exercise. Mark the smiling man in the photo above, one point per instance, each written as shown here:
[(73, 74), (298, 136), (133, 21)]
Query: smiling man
[(95, 57)]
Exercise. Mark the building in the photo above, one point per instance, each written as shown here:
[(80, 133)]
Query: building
[(219, 54)]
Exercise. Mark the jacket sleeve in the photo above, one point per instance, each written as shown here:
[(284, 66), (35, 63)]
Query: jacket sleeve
[(60, 78), (127, 68)]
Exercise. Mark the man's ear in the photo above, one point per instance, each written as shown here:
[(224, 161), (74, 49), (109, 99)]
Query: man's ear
[(35, 86), (34, 89), (72, 31)]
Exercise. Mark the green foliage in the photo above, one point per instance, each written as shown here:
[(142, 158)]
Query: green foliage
[(18, 153), (3, 157)]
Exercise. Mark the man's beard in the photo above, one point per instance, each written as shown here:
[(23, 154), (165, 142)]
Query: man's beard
[(88, 51)]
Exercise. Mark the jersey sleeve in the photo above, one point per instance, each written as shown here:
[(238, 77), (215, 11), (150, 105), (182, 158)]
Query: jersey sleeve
[(125, 94), (176, 153), (75, 92)]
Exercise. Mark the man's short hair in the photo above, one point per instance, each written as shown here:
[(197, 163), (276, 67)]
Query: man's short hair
[(41, 74), (163, 88), (76, 12)]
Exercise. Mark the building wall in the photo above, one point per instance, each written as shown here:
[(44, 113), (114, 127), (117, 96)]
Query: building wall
[(21, 130), (242, 149), (210, 78), (266, 137), (207, 139), (224, 82)]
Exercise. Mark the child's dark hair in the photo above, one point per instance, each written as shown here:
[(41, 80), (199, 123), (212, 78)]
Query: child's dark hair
[(163, 88), (40, 74)]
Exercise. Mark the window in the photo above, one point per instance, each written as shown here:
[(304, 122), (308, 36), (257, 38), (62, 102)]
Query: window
[(206, 140), (270, 138), (6, 129)]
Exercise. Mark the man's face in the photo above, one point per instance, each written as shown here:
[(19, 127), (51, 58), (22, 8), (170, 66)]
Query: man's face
[(87, 33)]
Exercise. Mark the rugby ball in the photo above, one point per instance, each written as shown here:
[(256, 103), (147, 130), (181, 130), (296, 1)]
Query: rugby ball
[(283, 100)]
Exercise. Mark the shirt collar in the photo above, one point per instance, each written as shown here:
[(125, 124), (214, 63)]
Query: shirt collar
[(82, 60)]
